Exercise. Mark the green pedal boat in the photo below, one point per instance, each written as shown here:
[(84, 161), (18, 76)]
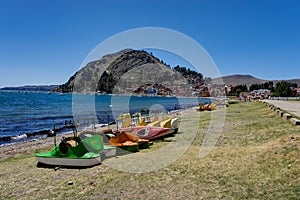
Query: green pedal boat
[(77, 152)]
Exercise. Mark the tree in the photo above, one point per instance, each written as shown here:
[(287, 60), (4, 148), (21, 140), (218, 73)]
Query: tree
[(282, 89), (106, 83), (186, 72), (254, 87), (267, 85), (237, 90)]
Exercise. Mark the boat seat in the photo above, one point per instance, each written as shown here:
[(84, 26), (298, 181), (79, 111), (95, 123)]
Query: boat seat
[(166, 123), (142, 121), (156, 123), (143, 132)]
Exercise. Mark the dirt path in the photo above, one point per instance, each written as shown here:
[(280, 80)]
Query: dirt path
[(290, 106)]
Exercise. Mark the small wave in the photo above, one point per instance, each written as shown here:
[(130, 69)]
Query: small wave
[(32, 135), (56, 117), (19, 137)]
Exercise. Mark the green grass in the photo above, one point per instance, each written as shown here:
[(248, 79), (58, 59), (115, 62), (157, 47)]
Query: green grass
[(255, 158)]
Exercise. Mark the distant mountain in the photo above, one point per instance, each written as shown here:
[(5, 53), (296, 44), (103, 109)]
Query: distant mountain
[(32, 88), (248, 80), (239, 79)]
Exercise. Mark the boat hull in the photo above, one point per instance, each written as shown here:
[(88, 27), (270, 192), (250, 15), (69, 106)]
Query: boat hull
[(78, 162), (109, 152), (121, 150), (146, 132), (75, 152)]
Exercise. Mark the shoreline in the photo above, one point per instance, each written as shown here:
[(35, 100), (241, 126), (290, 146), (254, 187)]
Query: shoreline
[(102, 94), (29, 146), (43, 135), (34, 135), (40, 134), (24, 147)]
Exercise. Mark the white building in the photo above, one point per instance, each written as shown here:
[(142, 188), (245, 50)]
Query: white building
[(261, 93)]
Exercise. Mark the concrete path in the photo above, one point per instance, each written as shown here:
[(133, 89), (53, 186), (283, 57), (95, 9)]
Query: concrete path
[(292, 107)]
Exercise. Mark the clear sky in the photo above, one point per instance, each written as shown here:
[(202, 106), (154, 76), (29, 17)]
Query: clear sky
[(45, 41)]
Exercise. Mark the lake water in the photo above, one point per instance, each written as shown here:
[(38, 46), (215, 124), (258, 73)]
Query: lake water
[(25, 113)]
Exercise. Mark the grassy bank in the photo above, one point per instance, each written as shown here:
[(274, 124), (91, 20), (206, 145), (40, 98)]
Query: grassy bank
[(257, 157)]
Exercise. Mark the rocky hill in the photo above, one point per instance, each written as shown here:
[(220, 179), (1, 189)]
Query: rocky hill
[(126, 71), (86, 79)]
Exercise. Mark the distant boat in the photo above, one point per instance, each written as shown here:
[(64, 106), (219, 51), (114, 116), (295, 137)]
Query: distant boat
[(208, 107)]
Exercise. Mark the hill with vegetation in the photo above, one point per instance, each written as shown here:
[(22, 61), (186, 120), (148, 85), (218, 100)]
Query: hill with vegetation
[(129, 71)]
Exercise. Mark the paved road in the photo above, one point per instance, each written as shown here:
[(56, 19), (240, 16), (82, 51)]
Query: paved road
[(290, 106)]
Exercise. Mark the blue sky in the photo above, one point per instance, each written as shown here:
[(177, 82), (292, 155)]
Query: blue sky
[(45, 42)]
